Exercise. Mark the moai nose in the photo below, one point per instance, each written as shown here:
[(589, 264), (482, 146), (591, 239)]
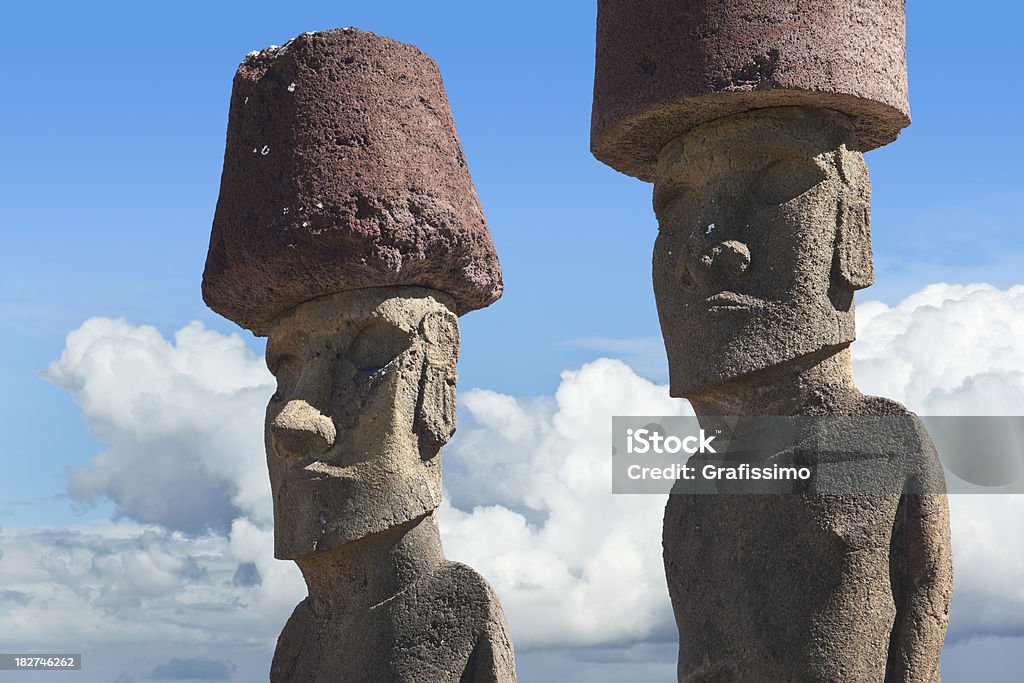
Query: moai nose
[(726, 261), (300, 430)]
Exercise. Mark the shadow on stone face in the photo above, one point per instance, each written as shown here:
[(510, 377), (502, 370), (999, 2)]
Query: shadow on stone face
[(763, 238)]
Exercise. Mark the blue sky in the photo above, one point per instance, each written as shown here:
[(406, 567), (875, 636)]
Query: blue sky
[(115, 114)]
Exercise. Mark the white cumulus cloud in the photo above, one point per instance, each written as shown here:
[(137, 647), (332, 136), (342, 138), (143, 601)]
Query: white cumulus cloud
[(573, 564), (176, 420), (945, 350), (528, 488)]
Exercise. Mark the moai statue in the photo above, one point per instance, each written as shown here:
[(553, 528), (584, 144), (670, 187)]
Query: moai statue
[(349, 233), (750, 117)]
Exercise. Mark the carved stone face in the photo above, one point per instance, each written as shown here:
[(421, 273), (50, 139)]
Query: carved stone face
[(364, 402), (763, 238)]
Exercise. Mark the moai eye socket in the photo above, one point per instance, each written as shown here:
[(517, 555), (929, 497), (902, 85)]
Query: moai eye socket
[(286, 369), (673, 204), (377, 345), (787, 179)]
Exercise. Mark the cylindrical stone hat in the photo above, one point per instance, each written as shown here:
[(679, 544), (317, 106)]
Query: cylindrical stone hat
[(666, 66), (343, 170)]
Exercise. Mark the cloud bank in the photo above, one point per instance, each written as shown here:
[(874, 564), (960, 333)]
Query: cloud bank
[(176, 419), (945, 350), (528, 482)]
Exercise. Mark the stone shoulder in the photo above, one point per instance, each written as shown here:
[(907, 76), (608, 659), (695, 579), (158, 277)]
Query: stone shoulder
[(881, 407), (454, 615)]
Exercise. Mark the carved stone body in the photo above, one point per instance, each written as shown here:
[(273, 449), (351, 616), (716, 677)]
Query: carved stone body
[(348, 232), (445, 624), (811, 587), (763, 239), (750, 118), (365, 400)]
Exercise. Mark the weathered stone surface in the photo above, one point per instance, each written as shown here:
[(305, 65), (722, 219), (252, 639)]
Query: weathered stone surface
[(764, 238), (443, 624), (348, 231), (343, 170), (365, 401), (808, 587), (665, 66), (757, 212)]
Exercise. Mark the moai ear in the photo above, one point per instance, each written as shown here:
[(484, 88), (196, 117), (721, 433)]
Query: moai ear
[(853, 262), (435, 408)]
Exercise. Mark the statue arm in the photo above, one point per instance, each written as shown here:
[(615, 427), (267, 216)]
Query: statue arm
[(920, 627)]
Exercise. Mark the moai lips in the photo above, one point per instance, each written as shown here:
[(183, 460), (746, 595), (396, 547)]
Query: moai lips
[(343, 170), (666, 66)]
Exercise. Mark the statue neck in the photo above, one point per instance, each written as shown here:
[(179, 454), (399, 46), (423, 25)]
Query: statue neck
[(358, 575), (787, 389)]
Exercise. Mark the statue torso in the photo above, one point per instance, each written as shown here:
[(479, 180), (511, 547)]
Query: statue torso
[(799, 587), (447, 627)]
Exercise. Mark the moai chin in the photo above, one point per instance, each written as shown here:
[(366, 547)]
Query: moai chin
[(348, 232), (750, 118)]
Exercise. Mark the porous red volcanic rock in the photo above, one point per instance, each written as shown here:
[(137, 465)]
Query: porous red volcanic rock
[(666, 66), (343, 170)]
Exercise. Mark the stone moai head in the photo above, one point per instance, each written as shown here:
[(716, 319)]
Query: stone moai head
[(763, 238), (349, 233), (750, 118), (365, 400)]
